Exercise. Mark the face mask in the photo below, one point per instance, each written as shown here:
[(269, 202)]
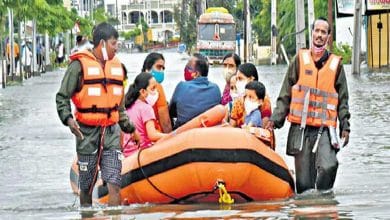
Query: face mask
[(241, 86), (104, 51), (188, 73), (158, 75), (319, 50), (234, 94), (152, 97), (228, 73), (250, 106)]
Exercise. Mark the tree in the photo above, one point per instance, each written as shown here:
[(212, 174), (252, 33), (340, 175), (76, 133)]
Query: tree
[(228, 4), (186, 23), (99, 15), (261, 21)]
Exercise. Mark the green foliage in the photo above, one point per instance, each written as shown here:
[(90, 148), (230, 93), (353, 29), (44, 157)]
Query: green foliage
[(343, 50), (286, 24), (85, 26), (55, 19), (113, 21), (129, 35), (99, 15), (186, 22), (228, 4), (55, 2), (261, 21), (51, 16)]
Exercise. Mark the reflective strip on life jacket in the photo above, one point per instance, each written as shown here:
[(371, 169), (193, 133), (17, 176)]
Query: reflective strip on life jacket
[(315, 104), (315, 91), (310, 114), (323, 97)]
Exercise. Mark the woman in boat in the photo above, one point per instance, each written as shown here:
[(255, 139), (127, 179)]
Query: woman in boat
[(155, 64), (230, 64), (247, 73), (141, 113)]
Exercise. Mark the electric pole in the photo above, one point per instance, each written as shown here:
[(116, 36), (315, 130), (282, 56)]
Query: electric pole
[(330, 22), (310, 10), (300, 24), (357, 37), (246, 34), (273, 32)]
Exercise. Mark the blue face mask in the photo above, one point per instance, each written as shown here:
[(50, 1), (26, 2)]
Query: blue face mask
[(158, 75)]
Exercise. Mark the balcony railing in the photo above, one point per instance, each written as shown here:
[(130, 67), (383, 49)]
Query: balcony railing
[(148, 5)]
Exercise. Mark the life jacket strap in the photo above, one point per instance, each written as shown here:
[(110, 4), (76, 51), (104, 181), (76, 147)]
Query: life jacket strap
[(103, 81), (95, 109)]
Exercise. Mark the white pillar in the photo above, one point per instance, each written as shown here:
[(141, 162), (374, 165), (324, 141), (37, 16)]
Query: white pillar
[(11, 40), (310, 10), (273, 35), (34, 47), (300, 24), (47, 50), (357, 37)]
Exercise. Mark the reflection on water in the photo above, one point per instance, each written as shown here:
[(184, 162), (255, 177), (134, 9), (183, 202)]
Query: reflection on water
[(36, 151)]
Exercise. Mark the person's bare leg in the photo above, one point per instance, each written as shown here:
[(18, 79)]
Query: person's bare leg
[(114, 197)]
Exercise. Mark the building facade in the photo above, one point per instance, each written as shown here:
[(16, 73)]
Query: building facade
[(158, 14)]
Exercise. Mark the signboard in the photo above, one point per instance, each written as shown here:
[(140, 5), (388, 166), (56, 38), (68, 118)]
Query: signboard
[(346, 7), (378, 5)]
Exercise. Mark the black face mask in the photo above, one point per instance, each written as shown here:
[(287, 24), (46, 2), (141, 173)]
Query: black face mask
[(320, 63)]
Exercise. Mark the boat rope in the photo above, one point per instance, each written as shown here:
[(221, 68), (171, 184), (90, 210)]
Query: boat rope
[(150, 182)]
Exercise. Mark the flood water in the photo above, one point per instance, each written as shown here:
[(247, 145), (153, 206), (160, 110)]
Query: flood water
[(36, 152)]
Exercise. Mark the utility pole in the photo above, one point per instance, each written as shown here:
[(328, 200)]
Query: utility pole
[(81, 3), (330, 22), (310, 10), (246, 34), (117, 20), (273, 32), (34, 47), (47, 52), (200, 7), (300, 24), (357, 38), (11, 42)]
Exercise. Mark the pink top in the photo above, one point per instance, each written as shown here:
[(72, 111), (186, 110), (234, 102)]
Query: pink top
[(139, 113)]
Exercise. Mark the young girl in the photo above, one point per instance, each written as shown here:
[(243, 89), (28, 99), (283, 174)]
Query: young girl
[(140, 94), (233, 94), (247, 73)]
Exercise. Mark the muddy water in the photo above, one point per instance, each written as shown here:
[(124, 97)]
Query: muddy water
[(36, 151)]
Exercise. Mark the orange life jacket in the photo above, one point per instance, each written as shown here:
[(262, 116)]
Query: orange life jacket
[(101, 93), (315, 88)]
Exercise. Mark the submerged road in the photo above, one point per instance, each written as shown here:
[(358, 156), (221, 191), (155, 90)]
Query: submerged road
[(36, 151)]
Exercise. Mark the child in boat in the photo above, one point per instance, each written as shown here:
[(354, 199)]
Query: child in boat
[(247, 73), (233, 94), (253, 99), (138, 105)]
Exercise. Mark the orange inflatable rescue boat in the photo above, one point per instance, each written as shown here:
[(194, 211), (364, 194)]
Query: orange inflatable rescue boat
[(202, 165)]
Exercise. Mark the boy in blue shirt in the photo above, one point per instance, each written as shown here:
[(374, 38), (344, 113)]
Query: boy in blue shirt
[(253, 99)]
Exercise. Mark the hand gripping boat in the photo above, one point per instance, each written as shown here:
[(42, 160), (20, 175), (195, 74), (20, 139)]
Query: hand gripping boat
[(201, 164)]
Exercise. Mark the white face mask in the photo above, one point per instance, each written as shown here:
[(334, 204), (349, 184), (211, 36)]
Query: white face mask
[(104, 51), (250, 106), (152, 97), (234, 94), (241, 87), (227, 73)]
